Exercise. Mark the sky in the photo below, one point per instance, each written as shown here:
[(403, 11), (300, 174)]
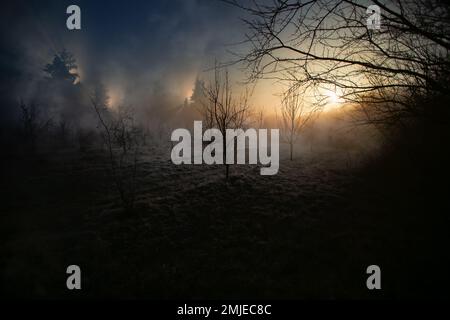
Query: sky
[(140, 50)]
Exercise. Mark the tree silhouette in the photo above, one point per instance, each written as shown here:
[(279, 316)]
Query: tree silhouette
[(198, 91), (328, 43), (63, 67), (295, 116), (223, 109)]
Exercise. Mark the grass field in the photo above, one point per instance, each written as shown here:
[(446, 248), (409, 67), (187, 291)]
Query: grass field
[(308, 232)]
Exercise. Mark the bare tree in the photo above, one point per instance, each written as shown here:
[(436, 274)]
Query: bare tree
[(295, 116), (32, 125), (317, 44), (128, 137), (123, 139), (223, 109)]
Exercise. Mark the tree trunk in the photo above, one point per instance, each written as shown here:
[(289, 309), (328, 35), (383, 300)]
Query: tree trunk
[(292, 149), (225, 158)]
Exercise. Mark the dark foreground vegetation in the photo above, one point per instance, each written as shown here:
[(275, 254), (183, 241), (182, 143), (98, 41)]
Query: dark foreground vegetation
[(308, 232)]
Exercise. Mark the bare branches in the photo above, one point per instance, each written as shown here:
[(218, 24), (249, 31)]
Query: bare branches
[(295, 116), (32, 125), (327, 42), (223, 109), (123, 140)]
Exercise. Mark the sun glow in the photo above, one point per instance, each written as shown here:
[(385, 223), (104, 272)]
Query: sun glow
[(115, 96), (333, 99)]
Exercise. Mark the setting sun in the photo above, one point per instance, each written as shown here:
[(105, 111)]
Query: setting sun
[(333, 97)]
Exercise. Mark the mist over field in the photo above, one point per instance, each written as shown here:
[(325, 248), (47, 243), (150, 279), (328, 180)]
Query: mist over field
[(88, 175)]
